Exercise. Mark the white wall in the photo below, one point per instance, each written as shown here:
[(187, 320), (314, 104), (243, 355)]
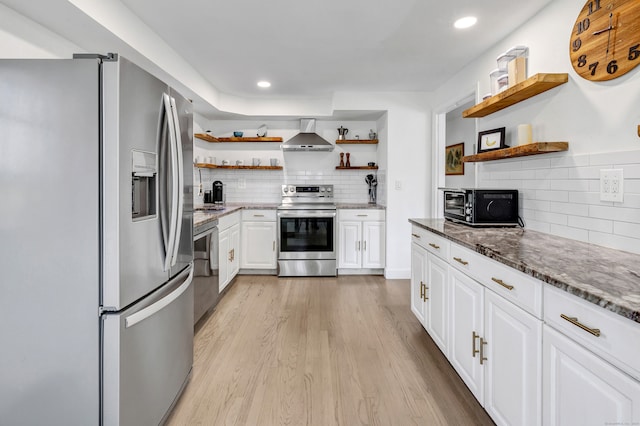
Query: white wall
[(599, 120), (461, 130)]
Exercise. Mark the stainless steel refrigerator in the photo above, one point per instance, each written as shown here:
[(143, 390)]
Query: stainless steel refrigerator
[(96, 245)]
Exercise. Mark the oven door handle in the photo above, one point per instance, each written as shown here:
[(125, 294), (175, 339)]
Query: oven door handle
[(307, 214)]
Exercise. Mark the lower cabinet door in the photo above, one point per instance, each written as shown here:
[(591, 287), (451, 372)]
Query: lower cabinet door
[(258, 245), (466, 325), (373, 245), (514, 363), (437, 310), (579, 388), (418, 274), (224, 258), (350, 236)]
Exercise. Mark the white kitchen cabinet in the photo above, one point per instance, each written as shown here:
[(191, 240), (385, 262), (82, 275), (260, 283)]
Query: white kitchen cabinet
[(418, 276), (229, 248), (513, 368), (436, 294), (466, 344), (259, 248), (361, 239), (580, 388)]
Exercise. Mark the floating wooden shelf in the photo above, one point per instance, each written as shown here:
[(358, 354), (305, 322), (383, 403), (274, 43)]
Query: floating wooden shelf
[(530, 87), (357, 141), (535, 148), (208, 138), (215, 166), (357, 168)]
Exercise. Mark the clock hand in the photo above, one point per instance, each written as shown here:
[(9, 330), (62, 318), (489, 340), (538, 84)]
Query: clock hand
[(609, 36), (603, 31)]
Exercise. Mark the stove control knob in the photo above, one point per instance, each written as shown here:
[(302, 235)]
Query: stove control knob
[(285, 189), (322, 189), (292, 188), (329, 189), (468, 211)]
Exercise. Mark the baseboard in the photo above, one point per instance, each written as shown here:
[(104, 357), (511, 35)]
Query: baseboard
[(360, 271), (397, 274)]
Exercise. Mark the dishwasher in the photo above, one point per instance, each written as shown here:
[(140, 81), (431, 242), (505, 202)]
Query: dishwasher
[(205, 269)]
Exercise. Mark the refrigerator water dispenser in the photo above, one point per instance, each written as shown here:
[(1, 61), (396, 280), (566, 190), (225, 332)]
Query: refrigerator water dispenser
[(143, 184)]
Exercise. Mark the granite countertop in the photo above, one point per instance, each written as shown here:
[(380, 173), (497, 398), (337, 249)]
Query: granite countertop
[(202, 215), (603, 276), (360, 206)]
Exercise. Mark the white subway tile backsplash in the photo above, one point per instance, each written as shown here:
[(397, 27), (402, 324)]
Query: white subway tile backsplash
[(591, 224), (569, 232), (568, 208), (560, 195)]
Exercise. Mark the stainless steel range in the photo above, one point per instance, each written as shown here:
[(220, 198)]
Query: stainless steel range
[(307, 231)]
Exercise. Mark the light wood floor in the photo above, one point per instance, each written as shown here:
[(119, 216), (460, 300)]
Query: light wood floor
[(320, 351)]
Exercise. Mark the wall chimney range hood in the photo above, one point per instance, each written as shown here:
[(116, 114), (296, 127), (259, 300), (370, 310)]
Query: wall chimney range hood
[(307, 139)]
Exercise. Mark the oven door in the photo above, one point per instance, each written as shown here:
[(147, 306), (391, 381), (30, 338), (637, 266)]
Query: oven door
[(306, 234)]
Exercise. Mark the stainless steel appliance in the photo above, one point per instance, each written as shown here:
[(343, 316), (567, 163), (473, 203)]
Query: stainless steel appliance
[(307, 231), (206, 269), (307, 139), (97, 298), (482, 207)]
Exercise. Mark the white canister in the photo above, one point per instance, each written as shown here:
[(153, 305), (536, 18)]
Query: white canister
[(525, 134)]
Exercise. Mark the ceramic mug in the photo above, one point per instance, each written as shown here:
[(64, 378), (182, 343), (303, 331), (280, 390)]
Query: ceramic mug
[(239, 162), (273, 162), (255, 161), (225, 162)]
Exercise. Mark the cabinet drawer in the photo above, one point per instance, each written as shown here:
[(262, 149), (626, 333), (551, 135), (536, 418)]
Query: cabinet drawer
[(252, 215), (431, 242), (520, 289), (229, 220), (361, 214), (618, 340)]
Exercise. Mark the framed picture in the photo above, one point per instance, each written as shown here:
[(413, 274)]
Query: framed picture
[(453, 159), (491, 139)]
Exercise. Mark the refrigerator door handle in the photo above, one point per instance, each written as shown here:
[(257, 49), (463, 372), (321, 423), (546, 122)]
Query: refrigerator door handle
[(171, 241), (150, 310), (180, 175)]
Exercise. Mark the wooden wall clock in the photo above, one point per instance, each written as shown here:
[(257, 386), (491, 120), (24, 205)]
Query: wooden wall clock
[(605, 40)]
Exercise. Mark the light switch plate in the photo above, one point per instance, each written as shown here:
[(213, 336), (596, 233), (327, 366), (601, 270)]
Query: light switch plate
[(611, 185)]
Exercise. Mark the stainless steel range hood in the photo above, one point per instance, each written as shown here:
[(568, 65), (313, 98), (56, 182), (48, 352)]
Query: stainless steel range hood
[(307, 139)]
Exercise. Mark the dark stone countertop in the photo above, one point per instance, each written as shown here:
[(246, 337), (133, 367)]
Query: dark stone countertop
[(606, 277), (360, 206)]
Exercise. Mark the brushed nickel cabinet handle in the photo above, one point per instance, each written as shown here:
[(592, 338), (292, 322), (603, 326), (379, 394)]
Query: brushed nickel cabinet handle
[(258, 215), (416, 235), (274, 246), (364, 243), (457, 259), (474, 336), (574, 321), (482, 357), (502, 283), (421, 290), (435, 246)]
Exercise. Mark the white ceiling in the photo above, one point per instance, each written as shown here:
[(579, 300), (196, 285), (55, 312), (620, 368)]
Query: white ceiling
[(315, 48)]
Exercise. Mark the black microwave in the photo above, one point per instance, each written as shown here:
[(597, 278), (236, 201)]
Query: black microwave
[(482, 207)]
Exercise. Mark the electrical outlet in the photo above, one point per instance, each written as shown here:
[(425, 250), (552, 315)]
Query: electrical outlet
[(398, 184), (611, 185)]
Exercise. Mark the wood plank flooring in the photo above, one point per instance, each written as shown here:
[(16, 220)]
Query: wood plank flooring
[(320, 351)]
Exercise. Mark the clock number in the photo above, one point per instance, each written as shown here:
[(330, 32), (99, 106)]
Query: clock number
[(634, 52), (594, 6), (577, 43), (612, 67), (582, 61), (594, 66), (583, 26)]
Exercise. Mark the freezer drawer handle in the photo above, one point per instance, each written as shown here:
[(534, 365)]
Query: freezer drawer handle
[(150, 310)]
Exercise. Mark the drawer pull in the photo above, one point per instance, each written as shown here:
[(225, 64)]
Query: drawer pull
[(363, 215), (258, 215), (457, 259), (574, 321), (474, 336), (416, 235), (502, 283), (424, 294), (482, 357), (435, 246)]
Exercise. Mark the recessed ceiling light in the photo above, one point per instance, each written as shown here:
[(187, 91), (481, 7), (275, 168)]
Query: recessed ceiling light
[(466, 22), (264, 84)]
